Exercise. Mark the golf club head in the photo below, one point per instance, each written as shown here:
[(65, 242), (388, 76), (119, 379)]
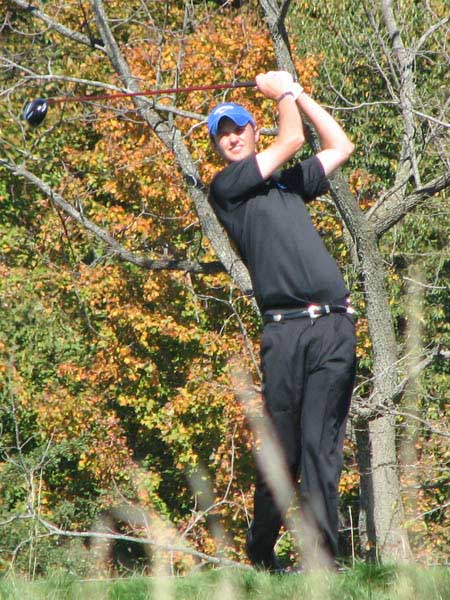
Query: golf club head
[(35, 111)]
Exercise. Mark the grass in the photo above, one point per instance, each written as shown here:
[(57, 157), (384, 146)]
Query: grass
[(364, 582)]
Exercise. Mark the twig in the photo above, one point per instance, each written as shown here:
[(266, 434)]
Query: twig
[(138, 540)]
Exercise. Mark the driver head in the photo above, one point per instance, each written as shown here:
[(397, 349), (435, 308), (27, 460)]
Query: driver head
[(35, 111)]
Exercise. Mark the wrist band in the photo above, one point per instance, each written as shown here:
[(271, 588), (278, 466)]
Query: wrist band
[(288, 93), (295, 92)]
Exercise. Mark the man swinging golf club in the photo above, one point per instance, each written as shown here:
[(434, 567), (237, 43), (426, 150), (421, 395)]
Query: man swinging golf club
[(308, 340)]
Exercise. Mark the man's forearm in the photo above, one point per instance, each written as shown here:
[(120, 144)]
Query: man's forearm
[(330, 132), (336, 147), (290, 124), (277, 86)]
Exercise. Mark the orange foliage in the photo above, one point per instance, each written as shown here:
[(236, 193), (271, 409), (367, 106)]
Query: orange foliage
[(362, 185)]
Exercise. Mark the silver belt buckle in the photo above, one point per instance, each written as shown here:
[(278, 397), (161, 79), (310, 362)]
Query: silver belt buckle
[(277, 318), (312, 311)]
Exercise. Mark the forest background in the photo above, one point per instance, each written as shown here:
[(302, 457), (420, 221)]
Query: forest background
[(129, 377)]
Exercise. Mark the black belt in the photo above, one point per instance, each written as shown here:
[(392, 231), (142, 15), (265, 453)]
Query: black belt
[(313, 311)]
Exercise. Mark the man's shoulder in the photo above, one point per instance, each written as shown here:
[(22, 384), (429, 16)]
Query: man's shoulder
[(236, 180)]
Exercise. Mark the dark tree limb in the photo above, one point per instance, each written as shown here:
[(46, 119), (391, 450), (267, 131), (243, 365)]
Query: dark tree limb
[(172, 139), (407, 94), (169, 136)]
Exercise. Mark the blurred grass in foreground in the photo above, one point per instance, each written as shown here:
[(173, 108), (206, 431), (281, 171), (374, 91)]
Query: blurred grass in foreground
[(360, 583)]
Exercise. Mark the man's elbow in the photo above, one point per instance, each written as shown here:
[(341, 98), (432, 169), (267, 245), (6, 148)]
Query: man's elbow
[(343, 152), (334, 157), (296, 142), (347, 150)]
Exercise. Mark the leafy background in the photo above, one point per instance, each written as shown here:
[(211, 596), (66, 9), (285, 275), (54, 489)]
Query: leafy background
[(115, 383)]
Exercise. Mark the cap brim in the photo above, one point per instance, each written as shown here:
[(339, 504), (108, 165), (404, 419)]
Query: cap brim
[(240, 120)]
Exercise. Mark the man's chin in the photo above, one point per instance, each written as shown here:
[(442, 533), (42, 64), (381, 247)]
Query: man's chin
[(235, 157)]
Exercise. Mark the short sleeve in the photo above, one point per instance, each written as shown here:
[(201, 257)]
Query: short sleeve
[(306, 178), (236, 182)]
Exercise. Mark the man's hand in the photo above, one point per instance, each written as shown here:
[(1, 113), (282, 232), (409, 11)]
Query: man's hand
[(274, 83)]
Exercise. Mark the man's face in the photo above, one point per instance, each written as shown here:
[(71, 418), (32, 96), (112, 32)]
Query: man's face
[(234, 142)]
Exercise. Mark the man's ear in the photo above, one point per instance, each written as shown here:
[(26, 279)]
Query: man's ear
[(256, 134), (212, 141)]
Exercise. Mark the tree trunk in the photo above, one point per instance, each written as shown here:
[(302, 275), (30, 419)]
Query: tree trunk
[(388, 516), (381, 491), (366, 524)]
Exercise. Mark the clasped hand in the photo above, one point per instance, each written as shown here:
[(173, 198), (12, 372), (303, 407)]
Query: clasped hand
[(274, 83)]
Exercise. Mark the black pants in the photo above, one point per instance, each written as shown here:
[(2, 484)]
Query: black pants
[(309, 370)]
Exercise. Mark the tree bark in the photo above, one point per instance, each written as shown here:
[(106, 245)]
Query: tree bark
[(366, 524), (388, 516)]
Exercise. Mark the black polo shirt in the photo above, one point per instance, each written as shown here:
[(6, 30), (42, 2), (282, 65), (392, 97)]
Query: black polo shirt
[(271, 227)]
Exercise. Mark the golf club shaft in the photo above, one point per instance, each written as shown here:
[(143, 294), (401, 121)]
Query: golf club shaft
[(158, 92)]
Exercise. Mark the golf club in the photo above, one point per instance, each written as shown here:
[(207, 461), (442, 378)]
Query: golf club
[(35, 111)]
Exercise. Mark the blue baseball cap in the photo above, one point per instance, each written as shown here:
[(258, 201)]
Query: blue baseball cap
[(235, 112)]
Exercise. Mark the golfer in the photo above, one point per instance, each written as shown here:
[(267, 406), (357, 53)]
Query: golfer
[(308, 340)]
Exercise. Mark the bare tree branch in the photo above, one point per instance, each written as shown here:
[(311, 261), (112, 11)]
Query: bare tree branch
[(36, 77), (366, 409), (138, 540), (96, 84), (275, 18), (391, 80), (26, 6), (402, 207), (407, 93), (432, 119), (172, 139), (421, 41), (116, 249)]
